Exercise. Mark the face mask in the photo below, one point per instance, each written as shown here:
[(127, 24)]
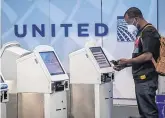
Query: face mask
[(132, 29)]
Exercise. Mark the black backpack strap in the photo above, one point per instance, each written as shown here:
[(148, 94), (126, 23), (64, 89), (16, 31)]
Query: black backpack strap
[(144, 29), (153, 60)]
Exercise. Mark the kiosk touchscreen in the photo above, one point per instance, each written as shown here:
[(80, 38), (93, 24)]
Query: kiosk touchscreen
[(51, 62), (100, 57), (91, 77), (42, 75)]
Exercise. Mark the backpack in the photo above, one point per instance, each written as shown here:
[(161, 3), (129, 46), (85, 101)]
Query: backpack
[(160, 63)]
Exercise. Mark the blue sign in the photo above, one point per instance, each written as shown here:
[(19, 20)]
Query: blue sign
[(160, 100), (122, 31)]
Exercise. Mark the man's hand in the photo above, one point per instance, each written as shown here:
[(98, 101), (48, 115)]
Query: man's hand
[(118, 68), (124, 61)]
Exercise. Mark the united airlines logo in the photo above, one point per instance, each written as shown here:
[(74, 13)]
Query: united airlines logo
[(122, 31)]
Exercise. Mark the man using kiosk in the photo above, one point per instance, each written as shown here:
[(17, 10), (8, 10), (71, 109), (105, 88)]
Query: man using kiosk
[(144, 73)]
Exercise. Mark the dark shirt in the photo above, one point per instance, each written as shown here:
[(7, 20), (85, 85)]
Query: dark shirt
[(148, 42)]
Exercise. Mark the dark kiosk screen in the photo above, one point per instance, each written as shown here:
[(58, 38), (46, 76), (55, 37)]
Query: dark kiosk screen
[(52, 63), (100, 57)]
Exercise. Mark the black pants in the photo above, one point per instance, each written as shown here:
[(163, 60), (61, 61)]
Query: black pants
[(145, 95)]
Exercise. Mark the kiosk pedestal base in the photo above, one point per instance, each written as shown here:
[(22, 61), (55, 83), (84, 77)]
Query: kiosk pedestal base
[(38, 105), (3, 110), (30, 105), (91, 100), (12, 106)]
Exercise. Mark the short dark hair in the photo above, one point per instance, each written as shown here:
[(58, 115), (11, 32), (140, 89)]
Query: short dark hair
[(134, 12)]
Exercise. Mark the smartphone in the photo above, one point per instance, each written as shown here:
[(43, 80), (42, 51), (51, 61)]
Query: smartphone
[(114, 62)]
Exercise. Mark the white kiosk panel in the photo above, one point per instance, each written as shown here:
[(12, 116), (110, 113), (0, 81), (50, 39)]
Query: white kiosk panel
[(41, 74), (43, 55), (42, 66), (90, 61), (10, 52)]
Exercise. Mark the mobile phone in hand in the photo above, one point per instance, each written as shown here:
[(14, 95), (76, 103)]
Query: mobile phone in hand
[(114, 62)]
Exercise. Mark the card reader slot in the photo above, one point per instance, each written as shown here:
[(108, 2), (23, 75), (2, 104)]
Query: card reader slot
[(58, 109), (5, 95), (1, 97), (57, 86)]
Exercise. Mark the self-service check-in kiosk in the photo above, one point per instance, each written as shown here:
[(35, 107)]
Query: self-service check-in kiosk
[(10, 52), (37, 82), (91, 77), (4, 96), (42, 75)]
